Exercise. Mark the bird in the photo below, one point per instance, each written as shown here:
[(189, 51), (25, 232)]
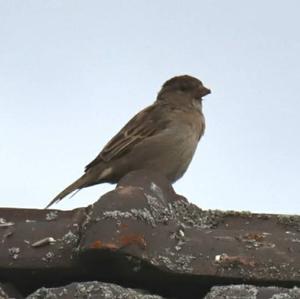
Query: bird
[(162, 137)]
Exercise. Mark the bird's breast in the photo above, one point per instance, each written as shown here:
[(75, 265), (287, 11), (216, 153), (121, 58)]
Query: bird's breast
[(187, 132)]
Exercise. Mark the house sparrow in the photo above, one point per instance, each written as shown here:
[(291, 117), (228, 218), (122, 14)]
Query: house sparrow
[(163, 137)]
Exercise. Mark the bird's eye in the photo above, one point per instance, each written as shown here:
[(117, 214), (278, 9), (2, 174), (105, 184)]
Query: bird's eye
[(183, 88)]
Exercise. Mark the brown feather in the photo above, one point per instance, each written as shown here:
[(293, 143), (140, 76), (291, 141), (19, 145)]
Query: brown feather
[(141, 126)]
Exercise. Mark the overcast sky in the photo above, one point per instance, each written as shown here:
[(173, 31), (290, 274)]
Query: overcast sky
[(73, 72)]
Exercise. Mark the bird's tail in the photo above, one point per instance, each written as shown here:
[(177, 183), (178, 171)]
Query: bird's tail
[(77, 185)]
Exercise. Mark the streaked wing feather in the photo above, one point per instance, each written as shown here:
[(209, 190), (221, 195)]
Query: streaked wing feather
[(139, 127), (119, 145)]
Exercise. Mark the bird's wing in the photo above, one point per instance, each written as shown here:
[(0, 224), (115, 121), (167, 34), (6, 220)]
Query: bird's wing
[(145, 124)]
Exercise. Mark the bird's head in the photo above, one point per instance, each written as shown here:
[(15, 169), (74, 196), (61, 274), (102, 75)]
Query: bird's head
[(185, 85)]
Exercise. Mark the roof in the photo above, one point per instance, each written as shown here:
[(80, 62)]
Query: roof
[(143, 235)]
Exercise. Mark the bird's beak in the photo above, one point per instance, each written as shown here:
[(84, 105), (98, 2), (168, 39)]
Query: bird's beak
[(206, 91)]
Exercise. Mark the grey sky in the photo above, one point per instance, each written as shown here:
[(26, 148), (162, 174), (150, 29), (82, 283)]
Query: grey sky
[(73, 72)]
